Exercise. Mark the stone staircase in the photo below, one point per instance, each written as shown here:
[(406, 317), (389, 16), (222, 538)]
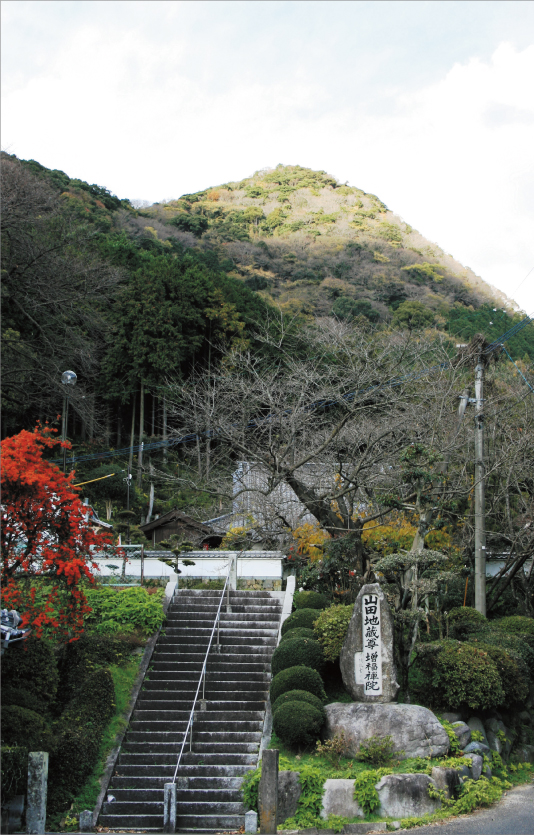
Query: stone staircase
[(226, 735)]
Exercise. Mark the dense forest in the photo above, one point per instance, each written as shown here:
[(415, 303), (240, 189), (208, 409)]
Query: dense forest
[(205, 315)]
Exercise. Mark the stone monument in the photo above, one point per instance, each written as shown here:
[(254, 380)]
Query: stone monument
[(366, 660)]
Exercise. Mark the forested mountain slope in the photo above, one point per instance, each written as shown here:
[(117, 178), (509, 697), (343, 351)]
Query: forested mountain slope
[(131, 297)]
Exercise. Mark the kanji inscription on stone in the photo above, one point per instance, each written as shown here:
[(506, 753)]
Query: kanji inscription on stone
[(370, 660)]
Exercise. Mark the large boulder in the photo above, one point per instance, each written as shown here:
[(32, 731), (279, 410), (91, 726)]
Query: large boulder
[(477, 725), (415, 731), (289, 791), (447, 779), (364, 654), (338, 799), (406, 796), (462, 732)]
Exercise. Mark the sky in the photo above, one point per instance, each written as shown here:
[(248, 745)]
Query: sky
[(428, 105)]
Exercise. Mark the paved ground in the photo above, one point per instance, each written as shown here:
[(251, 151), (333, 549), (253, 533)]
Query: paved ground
[(512, 815)]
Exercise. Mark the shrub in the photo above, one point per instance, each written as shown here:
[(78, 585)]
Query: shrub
[(455, 675), (81, 727), (333, 749), (298, 632), (298, 724), (516, 624), (134, 608), (376, 750), (30, 666), (26, 728), (463, 621), (310, 600), (298, 696), (331, 628), (297, 652), (297, 678), (78, 659), (515, 645), (301, 618), (512, 671), (14, 759)]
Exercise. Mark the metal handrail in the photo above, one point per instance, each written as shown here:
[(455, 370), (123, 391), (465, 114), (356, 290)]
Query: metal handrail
[(202, 679)]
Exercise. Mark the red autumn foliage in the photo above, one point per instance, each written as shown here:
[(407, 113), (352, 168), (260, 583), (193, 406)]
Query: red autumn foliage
[(44, 535)]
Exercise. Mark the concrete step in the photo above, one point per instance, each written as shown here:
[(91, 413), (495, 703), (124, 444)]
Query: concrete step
[(202, 743), (231, 726), (224, 794), (149, 737), (189, 758), (165, 771), (166, 716), (211, 675), (168, 702), (142, 783)]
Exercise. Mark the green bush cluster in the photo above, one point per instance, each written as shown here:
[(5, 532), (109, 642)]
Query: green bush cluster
[(299, 696), (299, 632), (301, 618), (81, 728), (463, 621), (310, 600), (298, 724), (297, 678), (14, 761), (453, 675), (294, 653), (331, 628), (30, 674), (122, 611)]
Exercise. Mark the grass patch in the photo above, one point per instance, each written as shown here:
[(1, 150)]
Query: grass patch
[(123, 679)]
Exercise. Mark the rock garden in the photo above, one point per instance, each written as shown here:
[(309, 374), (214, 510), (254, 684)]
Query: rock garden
[(357, 749)]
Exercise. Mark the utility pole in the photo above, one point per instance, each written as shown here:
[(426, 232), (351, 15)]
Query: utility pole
[(480, 529)]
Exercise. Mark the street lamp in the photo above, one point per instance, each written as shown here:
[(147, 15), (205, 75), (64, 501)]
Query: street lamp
[(68, 378)]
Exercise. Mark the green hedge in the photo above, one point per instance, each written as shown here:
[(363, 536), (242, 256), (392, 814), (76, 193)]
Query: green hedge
[(513, 673), (516, 624), (299, 696), (26, 728), (463, 621), (79, 658), (298, 632), (298, 724), (304, 652), (81, 728), (30, 669), (454, 675), (297, 678), (515, 645), (301, 618), (331, 629), (115, 611), (310, 600)]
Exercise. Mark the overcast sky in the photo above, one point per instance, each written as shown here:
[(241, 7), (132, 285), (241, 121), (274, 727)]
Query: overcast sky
[(429, 105)]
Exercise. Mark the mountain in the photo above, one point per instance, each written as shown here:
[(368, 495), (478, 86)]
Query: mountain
[(315, 246)]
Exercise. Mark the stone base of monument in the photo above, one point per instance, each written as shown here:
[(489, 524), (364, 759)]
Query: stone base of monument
[(414, 730)]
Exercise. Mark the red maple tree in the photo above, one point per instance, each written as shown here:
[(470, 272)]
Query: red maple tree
[(45, 538)]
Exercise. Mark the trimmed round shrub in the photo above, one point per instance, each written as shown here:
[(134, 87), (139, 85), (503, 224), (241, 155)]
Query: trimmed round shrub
[(80, 658), (298, 724), (517, 624), (298, 651), (515, 645), (465, 620), (454, 675), (298, 696), (310, 600), (331, 628), (297, 678), (512, 671), (31, 666), (25, 728), (301, 618), (298, 632)]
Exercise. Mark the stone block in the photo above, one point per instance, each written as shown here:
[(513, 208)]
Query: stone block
[(477, 748), (452, 717), (86, 821), (357, 828), (494, 742), (268, 792), (37, 790), (476, 725), (406, 796), (251, 822), (338, 799), (289, 791), (462, 732), (352, 661), (415, 730), (524, 753), (477, 765), (447, 779)]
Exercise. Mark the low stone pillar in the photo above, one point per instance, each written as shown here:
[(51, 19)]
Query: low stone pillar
[(86, 821), (36, 797), (268, 792), (251, 822), (169, 807)]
